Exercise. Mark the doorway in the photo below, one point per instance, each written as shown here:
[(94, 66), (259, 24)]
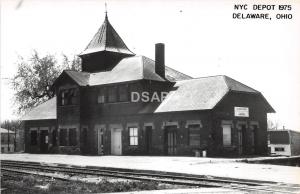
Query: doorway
[(116, 142), (44, 140), (148, 137), (171, 140), (254, 140), (54, 137), (242, 139), (83, 142)]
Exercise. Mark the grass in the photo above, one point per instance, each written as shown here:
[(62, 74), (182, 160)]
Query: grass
[(33, 185)]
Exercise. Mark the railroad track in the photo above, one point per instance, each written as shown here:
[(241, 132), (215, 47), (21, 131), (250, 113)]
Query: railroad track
[(48, 170)]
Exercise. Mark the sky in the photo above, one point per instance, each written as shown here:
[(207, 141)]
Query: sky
[(201, 39)]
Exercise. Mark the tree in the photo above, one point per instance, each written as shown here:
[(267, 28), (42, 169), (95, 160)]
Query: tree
[(35, 76), (11, 124), (71, 64), (273, 124)]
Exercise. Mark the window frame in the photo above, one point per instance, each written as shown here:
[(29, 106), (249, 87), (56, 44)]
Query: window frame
[(281, 149), (63, 141), (227, 143), (123, 91), (63, 98), (190, 126), (72, 141), (112, 92), (133, 136), (101, 93), (74, 96), (69, 96), (33, 139)]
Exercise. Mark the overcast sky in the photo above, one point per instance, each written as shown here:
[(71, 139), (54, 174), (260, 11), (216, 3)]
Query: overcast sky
[(201, 39)]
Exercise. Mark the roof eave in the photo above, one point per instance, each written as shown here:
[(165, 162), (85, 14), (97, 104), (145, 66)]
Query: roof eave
[(37, 119), (60, 77), (83, 54)]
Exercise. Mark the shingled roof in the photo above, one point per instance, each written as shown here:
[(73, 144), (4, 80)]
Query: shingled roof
[(128, 69), (186, 95), (106, 39), (2, 130), (200, 93), (44, 111)]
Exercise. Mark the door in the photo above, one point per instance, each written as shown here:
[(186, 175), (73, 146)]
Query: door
[(83, 141), (254, 136), (54, 137), (170, 140), (242, 140), (116, 142), (44, 138), (244, 137), (148, 139), (100, 141)]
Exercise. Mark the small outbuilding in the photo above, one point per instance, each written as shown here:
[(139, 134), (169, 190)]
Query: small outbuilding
[(7, 140), (284, 142)]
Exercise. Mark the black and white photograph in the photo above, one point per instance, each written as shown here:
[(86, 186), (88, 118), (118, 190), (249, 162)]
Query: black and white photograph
[(153, 96)]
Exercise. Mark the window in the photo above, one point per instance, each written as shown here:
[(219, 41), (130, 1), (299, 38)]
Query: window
[(72, 137), (33, 137), (279, 149), (69, 96), (101, 96), (194, 135), (63, 98), (73, 96), (226, 135), (112, 94), (133, 136), (63, 137), (123, 93)]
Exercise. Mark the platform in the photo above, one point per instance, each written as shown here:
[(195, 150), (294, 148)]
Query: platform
[(233, 168)]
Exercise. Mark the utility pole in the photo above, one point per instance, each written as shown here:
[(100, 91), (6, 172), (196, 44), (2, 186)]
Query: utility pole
[(15, 139), (8, 139)]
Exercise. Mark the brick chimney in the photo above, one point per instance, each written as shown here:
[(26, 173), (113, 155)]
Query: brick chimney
[(160, 59)]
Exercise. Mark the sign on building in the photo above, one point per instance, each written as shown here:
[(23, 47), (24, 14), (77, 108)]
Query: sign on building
[(241, 111)]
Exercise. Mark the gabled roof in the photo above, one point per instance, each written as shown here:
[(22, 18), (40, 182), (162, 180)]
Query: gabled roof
[(6, 131), (186, 95), (174, 75), (200, 93), (106, 39), (194, 94), (46, 110), (128, 69), (81, 78), (234, 85)]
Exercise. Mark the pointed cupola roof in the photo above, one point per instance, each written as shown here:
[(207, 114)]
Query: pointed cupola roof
[(106, 39)]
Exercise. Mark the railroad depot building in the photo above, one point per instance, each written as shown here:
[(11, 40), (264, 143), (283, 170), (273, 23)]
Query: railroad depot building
[(124, 104)]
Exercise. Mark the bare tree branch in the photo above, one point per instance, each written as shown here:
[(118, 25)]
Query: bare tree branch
[(35, 76)]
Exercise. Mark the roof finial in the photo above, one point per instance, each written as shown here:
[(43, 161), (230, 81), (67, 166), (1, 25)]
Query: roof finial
[(105, 10)]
